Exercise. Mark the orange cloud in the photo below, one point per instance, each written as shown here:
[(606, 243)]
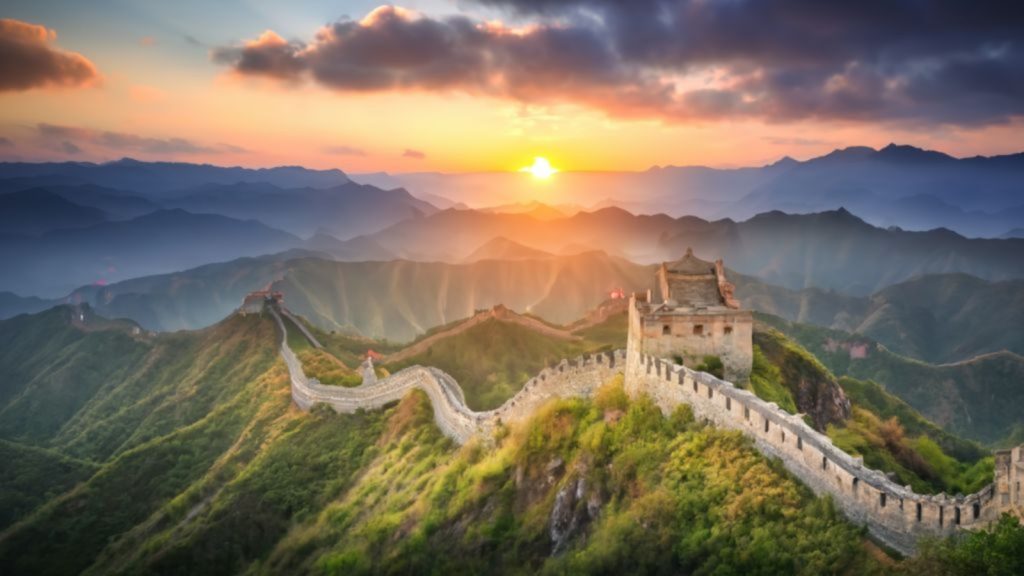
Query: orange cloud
[(29, 60)]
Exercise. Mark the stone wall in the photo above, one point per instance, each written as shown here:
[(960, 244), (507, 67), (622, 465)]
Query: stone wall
[(570, 378), (895, 514), (1009, 472)]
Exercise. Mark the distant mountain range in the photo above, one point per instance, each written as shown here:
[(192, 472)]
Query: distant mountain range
[(344, 211), (977, 398), (56, 262), (897, 185), (936, 318), (833, 250), (158, 178)]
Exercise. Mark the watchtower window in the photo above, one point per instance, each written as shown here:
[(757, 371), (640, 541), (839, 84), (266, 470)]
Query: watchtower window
[(728, 330), (977, 510), (711, 393), (728, 403), (956, 516), (694, 386), (799, 443), (941, 518), (881, 500), (782, 434), (918, 511), (856, 483), (765, 425), (698, 330), (666, 329), (746, 413), (824, 463)]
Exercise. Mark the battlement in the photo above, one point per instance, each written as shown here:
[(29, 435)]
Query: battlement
[(895, 514), (254, 301)]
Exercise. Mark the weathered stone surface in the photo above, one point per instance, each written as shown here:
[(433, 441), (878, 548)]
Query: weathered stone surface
[(893, 513)]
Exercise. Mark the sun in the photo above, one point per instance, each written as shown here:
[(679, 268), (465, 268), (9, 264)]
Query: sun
[(541, 168)]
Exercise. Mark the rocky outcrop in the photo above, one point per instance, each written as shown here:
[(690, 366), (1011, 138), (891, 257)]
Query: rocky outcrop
[(814, 388), (895, 514)]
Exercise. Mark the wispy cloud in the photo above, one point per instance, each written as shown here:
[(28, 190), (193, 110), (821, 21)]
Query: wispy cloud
[(414, 154)]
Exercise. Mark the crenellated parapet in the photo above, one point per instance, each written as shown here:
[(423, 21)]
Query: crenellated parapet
[(895, 514)]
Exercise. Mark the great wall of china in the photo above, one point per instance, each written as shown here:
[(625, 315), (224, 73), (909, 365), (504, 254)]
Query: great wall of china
[(894, 514)]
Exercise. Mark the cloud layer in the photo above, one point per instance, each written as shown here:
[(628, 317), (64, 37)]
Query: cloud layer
[(928, 61), (28, 59)]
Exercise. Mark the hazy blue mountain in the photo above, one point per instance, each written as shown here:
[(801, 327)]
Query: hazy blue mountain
[(116, 204), (832, 250), (35, 211), (898, 185), (53, 264), (160, 178), (938, 318), (343, 211)]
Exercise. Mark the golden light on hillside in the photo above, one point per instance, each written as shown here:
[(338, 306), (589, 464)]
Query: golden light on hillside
[(541, 168)]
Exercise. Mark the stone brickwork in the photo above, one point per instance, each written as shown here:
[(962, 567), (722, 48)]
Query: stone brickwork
[(895, 514), (570, 378)]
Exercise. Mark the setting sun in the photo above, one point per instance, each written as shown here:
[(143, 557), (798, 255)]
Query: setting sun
[(541, 168)]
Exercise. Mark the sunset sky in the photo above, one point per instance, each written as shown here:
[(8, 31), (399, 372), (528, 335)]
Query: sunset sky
[(479, 85)]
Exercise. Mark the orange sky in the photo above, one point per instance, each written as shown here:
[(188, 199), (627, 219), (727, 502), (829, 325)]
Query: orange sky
[(151, 88)]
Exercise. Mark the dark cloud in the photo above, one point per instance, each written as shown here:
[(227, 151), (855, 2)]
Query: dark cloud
[(69, 148), (343, 150), (945, 61), (29, 60), (6, 142), (75, 137), (414, 154)]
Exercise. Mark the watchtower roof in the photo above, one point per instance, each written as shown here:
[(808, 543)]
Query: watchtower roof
[(691, 265), (692, 283)]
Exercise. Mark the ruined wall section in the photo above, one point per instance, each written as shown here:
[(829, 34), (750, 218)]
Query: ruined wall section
[(895, 514)]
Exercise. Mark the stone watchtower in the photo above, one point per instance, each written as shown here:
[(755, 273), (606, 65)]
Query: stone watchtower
[(695, 316), (1009, 472)]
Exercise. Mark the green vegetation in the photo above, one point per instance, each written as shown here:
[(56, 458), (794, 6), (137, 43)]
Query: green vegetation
[(31, 476), (712, 365), (612, 332), (328, 369), (190, 459), (492, 360), (977, 399), (889, 434), (916, 461), (998, 551), (766, 382), (659, 495)]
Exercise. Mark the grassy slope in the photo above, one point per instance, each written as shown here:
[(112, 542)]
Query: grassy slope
[(976, 399), (254, 486), (887, 432), (492, 360), (154, 429), (668, 495), (31, 476)]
